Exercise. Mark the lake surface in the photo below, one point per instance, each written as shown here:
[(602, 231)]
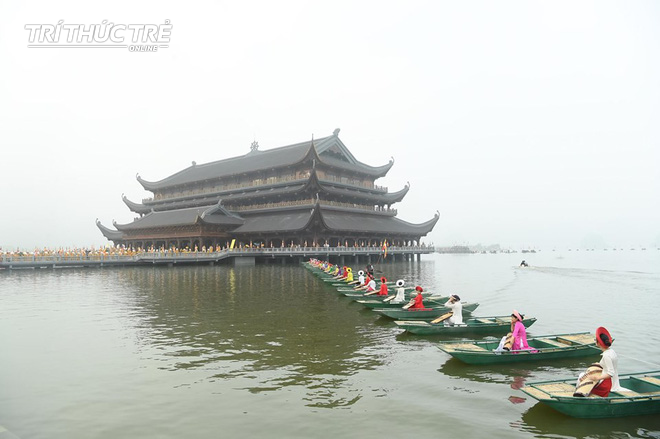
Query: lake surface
[(271, 351)]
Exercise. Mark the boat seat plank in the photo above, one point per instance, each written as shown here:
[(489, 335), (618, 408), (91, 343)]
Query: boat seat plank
[(628, 393), (552, 342), (578, 338), (545, 391), (557, 389), (536, 393), (468, 347), (650, 380), (484, 320)]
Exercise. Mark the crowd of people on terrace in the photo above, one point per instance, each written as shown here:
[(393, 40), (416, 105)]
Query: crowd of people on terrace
[(116, 251)]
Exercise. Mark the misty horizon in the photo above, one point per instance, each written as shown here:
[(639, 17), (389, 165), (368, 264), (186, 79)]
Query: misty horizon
[(526, 125)]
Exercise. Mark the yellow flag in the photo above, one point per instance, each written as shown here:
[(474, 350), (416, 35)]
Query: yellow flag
[(231, 247)]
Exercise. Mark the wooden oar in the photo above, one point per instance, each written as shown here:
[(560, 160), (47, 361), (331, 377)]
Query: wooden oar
[(371, 293), (443, 317), (388, 298), (411, 303)]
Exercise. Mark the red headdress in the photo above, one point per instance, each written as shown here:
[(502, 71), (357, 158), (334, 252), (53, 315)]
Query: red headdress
[(603, 338)]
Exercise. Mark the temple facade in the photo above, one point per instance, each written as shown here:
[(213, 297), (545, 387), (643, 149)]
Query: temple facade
[(314, 193)]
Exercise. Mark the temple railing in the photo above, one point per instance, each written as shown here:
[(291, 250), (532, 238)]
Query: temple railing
[(12, 261)]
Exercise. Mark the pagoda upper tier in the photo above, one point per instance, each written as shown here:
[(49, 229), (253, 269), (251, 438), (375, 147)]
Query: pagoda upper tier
[(241, 197), (306, 187), (329, 153)]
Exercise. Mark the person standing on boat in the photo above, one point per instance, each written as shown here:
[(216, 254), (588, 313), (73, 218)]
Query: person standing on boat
[(609, 379), (383, 287), (454, 303), (400, 292), (370, 270)]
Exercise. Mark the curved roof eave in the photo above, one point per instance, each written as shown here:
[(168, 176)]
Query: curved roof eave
[(428, 225), (135, 207), (147, 185), (109, 233), (123, 227), (386, 198), (387, 225), (374, 171), (395, 197)]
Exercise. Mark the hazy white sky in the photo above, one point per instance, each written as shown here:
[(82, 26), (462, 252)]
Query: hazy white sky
[(528, 124)]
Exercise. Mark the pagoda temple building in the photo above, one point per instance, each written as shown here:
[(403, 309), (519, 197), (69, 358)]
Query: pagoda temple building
[(314, 193)]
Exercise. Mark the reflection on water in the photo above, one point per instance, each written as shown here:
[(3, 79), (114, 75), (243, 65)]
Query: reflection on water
[(542, 421), (274, 325), (160, 352), (501, 374)]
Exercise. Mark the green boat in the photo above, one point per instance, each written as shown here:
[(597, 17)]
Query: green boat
[(421, 314), (346, 285), (380, 303), (353, 283), (548, 347), (641, 398), (391, 290), (479, 325), (362, 295)]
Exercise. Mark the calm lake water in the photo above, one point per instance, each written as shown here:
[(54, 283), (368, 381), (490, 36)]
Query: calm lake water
[(271, 351)]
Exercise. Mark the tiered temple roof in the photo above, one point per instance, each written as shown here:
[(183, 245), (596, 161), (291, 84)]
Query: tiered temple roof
[(314, 191)]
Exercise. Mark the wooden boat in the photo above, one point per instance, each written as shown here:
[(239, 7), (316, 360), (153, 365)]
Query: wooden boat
[(641, 398), (380, 303), (344, 285), (391, 290), (355, 295), (546, 348), (421, 314), (478, 325)]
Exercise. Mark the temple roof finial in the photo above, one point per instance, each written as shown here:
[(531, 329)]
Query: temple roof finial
[(336, 132), (254, 146)]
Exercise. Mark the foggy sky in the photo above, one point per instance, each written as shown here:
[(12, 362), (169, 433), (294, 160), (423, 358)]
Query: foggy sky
[(528, 124)]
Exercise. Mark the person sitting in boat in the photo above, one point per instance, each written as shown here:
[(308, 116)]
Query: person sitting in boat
[(418, 300), (609, 378), (361, 277), (383, 287), (400, 292), (524, 264), (454, 303), (371, 285), (349, 274), (519, 333)]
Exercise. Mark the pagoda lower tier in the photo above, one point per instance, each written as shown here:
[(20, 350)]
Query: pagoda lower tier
[(310, 224)]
